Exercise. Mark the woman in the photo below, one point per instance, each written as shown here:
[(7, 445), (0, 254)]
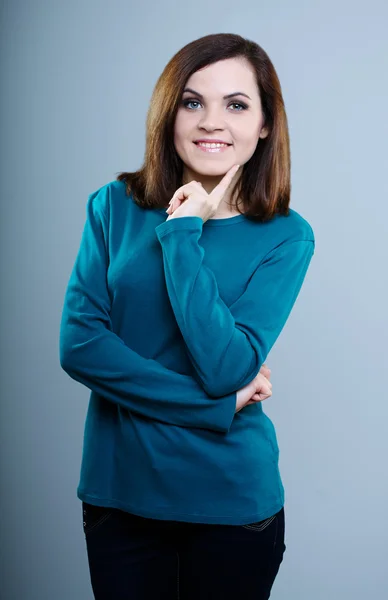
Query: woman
[(168, 319)]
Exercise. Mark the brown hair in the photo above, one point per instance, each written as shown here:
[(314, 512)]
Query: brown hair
[(264, 186)]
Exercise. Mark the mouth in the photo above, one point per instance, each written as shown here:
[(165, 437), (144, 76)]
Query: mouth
[(213, 148)]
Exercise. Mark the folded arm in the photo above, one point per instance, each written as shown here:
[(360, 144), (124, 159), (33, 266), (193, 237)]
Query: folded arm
[(228, 345), (92, 354)]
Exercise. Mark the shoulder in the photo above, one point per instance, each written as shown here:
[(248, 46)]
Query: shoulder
[(113, 189), (293, 228), (109, 194), (286, 235)]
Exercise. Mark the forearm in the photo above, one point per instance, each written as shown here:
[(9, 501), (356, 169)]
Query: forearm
[(228, 345), (99, 359), (221, 352)]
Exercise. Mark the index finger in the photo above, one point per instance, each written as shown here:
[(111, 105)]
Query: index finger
[(225, 182)]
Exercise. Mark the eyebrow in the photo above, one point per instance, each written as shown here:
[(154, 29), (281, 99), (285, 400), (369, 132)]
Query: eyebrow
[(225, 97)]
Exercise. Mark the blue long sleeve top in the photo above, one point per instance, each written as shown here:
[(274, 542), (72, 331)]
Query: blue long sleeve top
[(164, 321)]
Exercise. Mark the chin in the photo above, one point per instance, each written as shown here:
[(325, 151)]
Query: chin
[(214, 170)]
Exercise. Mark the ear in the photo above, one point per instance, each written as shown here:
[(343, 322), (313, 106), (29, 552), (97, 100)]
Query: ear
[(264, 132)]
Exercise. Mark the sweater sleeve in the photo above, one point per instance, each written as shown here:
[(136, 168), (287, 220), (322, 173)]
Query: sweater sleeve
[(92, 354), (228, 345)]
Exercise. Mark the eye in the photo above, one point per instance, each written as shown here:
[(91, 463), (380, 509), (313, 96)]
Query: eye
[(242, 106), (187, 102)]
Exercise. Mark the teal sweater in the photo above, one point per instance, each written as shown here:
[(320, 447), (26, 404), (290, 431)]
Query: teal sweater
[(164, 321)]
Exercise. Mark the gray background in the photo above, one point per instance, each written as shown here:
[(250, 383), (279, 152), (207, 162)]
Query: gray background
[(77, 78)]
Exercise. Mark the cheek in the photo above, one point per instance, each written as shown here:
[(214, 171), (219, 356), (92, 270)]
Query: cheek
[(182, 139), (181, 127), (246, 137), (179, 140)]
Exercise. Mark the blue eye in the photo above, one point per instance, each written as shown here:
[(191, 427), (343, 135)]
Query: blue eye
[(240, 104), (187, 102)]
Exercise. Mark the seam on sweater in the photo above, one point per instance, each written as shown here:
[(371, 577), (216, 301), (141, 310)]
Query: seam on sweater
[(283, 245)]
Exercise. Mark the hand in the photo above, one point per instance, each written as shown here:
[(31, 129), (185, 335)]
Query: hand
[(257, 390), (192, 200)]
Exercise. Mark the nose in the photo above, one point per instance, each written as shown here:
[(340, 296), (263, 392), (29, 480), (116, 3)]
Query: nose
[(212, 118)]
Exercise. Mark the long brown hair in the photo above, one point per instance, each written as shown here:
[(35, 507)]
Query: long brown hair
[(264, 186)]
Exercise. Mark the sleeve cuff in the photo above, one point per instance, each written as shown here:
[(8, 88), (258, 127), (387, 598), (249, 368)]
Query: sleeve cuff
[(229, 410), (179, 223)]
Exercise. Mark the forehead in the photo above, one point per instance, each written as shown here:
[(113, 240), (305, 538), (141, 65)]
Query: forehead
[(222, 76)]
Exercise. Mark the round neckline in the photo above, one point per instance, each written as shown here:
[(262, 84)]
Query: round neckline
[(212, 222)]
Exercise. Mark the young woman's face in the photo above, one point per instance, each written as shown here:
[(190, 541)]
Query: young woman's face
[(205, 113)]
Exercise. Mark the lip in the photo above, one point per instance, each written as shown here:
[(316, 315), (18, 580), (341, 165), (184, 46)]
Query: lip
[(209, 141)]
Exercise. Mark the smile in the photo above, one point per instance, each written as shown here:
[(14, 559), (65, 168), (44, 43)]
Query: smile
[(212, 147)]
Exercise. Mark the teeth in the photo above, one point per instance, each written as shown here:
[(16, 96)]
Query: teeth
[(207, 145)]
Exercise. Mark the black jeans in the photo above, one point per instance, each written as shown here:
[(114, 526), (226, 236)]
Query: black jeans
[(137, 558)]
